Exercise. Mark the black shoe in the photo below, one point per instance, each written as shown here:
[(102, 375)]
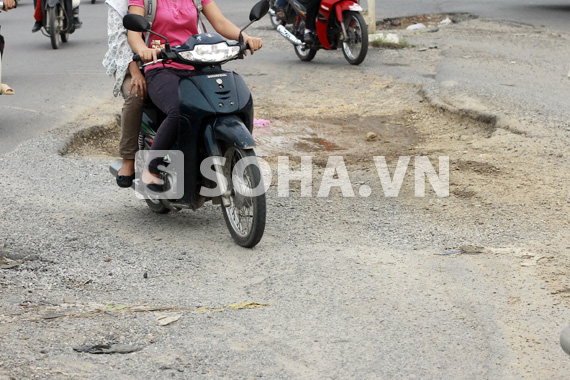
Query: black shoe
[(37, 26), (155, 187), (76, 23), (125, 180), (308, 38)]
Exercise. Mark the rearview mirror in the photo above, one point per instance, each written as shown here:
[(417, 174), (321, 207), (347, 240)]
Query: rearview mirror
[(259, 10), (136, 23)]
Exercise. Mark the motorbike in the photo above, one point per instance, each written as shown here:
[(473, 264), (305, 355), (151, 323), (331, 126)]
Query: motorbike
[(339, 25), (215, 143), (58, 20)]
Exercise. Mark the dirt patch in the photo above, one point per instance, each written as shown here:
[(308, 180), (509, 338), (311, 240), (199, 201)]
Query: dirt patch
[(476, 167), (344, 136)]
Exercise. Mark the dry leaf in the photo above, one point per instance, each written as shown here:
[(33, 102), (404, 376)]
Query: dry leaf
[(6, 263), (234, 306), (246, 305), (167, 319)]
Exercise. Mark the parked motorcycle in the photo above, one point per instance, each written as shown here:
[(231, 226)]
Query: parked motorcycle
[(58, 20), (339, 25), (215, 129)]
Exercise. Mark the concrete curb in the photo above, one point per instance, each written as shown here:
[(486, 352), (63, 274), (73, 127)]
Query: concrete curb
[(431, 94)]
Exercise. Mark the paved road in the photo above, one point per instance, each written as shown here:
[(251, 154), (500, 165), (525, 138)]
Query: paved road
[(356, 287), (53, 86), (551, 13)]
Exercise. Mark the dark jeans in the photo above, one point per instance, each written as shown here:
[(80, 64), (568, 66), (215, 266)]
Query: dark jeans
[(312, 11), (163, 91)]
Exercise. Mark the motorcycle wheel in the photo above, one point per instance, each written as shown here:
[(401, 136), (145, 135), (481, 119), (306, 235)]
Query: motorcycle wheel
[(305, 54), (64, 37), (155, 205), (355, 43), (272, 15), (245, 216), (55, 25)]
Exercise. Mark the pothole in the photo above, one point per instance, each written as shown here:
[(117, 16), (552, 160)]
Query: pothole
[(308, 137), (98, 140), (344, 136), (429, 20)]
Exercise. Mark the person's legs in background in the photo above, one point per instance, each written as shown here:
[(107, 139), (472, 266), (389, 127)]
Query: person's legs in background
[(310, 23), (280, 10), (131, 118), (38, 16)]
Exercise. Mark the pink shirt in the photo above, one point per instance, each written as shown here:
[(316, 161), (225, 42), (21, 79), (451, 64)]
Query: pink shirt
[(176, 20)]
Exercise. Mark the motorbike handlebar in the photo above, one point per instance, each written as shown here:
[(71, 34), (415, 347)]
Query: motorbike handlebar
[(242, 49)]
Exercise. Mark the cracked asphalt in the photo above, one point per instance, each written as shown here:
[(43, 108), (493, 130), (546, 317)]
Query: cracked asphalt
[(470, 286)]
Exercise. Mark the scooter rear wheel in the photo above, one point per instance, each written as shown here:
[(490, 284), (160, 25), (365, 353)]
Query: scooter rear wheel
[(272, 15), (155, 205), (305, 54), (245, 216)]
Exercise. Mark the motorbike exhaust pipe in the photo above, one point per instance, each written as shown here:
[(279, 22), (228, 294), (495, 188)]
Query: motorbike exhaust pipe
[(291, 38)]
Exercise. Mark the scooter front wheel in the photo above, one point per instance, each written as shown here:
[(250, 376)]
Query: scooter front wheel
[(355, 43), (245, 216), (55, 25)]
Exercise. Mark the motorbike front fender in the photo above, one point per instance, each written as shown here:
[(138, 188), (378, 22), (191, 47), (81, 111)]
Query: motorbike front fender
[(344, 6), (230, 129)]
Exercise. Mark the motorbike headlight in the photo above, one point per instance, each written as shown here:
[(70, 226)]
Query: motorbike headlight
[(210, 53)]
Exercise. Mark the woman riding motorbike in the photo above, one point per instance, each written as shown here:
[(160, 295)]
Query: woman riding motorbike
[(176, 20)]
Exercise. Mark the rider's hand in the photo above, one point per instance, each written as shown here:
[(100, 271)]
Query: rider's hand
[(254, 43), (148, 54), (138, 84), (9, 4)]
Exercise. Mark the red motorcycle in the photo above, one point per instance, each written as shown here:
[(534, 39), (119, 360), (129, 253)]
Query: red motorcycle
[(339, 24)]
